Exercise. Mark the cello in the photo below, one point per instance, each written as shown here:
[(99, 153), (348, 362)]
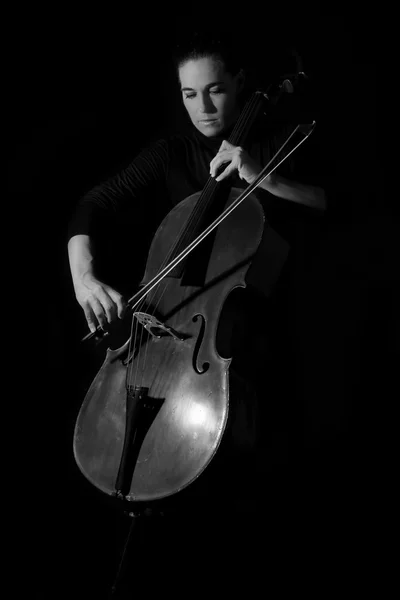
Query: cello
[(155, 415)]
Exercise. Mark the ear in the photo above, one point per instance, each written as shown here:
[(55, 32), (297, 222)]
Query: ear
[(240, 80)]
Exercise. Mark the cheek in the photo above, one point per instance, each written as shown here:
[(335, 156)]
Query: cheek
[(224, 105), (189, 106)]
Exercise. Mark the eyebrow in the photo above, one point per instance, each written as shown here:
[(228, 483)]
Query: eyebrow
[(210, 85)]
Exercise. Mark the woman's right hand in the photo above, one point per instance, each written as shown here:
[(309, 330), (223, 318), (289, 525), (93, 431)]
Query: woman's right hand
[(100, 302)]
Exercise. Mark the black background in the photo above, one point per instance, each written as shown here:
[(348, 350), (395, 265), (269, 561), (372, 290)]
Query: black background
[(88, 90)]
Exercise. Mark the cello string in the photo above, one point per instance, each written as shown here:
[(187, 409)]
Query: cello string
[(133, 344), (157, 278), (156, 391), (160, 297), (200, 207), (188, 229), (136, 348), (231, 207), (203, 202), (139, 374), (211, 185)]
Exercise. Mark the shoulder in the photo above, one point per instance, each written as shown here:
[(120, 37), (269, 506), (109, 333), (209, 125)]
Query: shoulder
[(182, 141), (168, 145)]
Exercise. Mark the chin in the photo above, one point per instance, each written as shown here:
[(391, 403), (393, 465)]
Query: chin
[(211, 131)]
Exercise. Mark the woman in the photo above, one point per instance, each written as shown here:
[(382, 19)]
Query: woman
[(212, 84)]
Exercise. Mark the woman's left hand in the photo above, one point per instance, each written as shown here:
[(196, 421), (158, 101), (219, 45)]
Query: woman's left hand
[(238, 160)]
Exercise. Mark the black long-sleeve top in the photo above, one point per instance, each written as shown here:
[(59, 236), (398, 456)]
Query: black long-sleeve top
[(171, 169)]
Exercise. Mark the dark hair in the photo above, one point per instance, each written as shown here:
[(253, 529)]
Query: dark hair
[(204, 44)]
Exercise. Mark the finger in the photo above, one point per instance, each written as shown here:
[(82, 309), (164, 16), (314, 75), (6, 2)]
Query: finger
[(222, 155), (98, 311), (110, 309), (109, 306), (218, 161), (90, 319), (120, 302), (228, 171)]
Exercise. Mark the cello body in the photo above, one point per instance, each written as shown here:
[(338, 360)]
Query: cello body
[(154, 416)]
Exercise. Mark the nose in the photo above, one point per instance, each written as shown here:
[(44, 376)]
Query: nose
[(205, 104)]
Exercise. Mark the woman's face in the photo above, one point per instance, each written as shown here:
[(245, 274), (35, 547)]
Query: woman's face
[(209, 94)]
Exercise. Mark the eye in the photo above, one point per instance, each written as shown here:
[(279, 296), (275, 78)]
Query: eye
[(217, 91), (189, 96)]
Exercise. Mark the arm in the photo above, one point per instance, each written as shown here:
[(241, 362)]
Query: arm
[(100, 303), (309, 195), (248, 169)]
